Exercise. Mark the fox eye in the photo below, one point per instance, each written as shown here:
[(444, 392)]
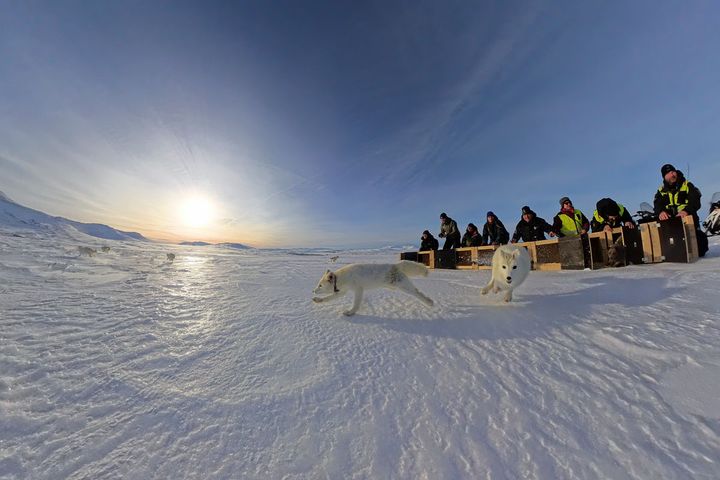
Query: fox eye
[(504, 266), (514, 267)]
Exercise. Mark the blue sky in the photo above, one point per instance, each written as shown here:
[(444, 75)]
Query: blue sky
[(350, 123)]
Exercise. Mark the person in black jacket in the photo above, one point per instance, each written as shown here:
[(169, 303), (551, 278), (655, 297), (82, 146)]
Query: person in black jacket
[(472, 237), (531, 228), (494, 232), (428, 242), (609, 214), (677, 197), (449, 231)]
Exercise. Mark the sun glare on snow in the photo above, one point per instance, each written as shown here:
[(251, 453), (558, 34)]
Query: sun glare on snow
[(196, 212)]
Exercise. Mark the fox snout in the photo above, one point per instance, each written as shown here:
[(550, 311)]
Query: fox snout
[(509, 279)]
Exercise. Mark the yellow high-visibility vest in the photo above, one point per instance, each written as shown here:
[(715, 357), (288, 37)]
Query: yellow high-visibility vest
[(672, 203), (571, 226)]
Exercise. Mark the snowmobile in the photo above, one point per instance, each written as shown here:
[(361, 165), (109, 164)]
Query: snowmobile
[(712, 222), (645, 214)]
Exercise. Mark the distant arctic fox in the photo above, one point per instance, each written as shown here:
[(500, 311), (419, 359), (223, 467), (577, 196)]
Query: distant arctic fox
[(359, 277), (510, 267), (90, 252)]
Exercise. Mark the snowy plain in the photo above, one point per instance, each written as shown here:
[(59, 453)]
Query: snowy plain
[(218, 365)]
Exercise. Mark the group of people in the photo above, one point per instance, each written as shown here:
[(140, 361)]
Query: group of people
[(676, 197)]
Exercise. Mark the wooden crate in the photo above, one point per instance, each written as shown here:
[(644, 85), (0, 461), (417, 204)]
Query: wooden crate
[(427, 258), (466, 258), (446, 259), (672, 240), (650, 237), (532, 250), (632, 241), (678, 242), (599, 244), (484, 256), (412, 256), (567, 253), (691, 236)]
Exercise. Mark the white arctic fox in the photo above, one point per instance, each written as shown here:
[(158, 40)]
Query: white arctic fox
[(510, 266), (359, 277)]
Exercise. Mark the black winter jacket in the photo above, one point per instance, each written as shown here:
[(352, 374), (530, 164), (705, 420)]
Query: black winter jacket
[(531, 231), (495, 233), (430, 243)]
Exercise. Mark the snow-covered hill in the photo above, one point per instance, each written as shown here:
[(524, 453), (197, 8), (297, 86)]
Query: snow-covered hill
[(14, 215), (237, 246), (218, 366)]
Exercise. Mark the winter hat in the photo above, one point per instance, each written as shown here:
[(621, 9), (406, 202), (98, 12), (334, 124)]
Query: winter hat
[(563, 200), (527, 211), (443, 215), (473, 226), (608, 207), (666, 169), (490, 214), (426, 232)]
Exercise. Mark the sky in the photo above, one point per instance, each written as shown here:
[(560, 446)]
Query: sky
[(350, 124)]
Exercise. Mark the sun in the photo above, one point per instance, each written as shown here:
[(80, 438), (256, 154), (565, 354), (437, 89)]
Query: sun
[(196, 212)]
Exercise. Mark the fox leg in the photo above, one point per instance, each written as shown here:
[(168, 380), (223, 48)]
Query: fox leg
[(508, 295), (356, 302), (487, 287), (407, 286)]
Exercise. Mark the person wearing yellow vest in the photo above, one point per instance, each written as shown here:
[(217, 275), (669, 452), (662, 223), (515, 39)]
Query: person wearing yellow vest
[(570, 222), (609, 214), (677, 197)]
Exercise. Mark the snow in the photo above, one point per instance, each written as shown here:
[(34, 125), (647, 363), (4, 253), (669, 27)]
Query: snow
[(16, 216), (218, 365)]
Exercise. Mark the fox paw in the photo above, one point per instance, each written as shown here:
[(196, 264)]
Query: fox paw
[(317, 299), (348, 313)]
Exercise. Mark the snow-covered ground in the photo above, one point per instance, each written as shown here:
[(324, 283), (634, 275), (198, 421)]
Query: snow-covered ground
[(219, 366)]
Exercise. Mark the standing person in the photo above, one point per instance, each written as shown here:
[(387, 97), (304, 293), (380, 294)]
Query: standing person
[(570, 221), (609, 214), (531, 228), (677, 197), (428, 242), (494, 232), (449, 231), (472, 237)]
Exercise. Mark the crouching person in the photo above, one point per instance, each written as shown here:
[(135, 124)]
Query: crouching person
[(472, 237), (531, 228), (677, 197), (428, 242), (609, 214), (494, 232)]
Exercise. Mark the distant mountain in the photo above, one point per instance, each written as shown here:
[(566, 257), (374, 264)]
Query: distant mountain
[(237, 246), (14, 215)]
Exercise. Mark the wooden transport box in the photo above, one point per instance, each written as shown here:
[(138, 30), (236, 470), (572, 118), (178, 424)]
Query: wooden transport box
[(650, 236), (599, 246), (445, 259), (412, 256), (484, 256), (466, 258), (561, 254), (633, 244), (672, 240), (600, 243), (427, 258)]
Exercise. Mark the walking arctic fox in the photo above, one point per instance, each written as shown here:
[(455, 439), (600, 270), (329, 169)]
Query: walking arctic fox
[(359, 277), (510, 267)]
